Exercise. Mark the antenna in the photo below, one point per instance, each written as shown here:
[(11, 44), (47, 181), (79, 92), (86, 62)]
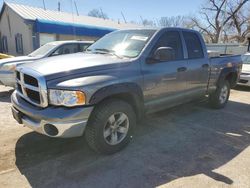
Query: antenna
[(59, 6), (76, 8), (44, 7), (123, 17)]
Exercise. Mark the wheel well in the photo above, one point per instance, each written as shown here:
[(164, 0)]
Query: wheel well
[(232, 78), (135, 102)]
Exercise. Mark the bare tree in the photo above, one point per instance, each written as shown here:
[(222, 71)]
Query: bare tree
[(173, 21), (147, 22), (240, 24), (215, 16), (98, 14)]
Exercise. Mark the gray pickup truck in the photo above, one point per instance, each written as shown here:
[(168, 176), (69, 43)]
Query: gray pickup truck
[(123, 76)]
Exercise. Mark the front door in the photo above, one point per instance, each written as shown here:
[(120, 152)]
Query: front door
[(165, 81)]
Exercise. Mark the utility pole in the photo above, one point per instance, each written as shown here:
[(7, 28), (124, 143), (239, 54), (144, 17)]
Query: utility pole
[(44, 7), (59, 6), (76, 8), (123, 17), (224, 18), (102, 13), (142, 21)]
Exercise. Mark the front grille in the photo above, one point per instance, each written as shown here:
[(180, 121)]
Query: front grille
[(33, 95), (30, 80), (31, 87), (19, 88), (18, 75)]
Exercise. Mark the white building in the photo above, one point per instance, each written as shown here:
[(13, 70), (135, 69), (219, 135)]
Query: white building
[(24, 28)]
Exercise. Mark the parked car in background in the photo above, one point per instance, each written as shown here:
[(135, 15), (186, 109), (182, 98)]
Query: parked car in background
[(4, 56), (245, 74), (121, 77), (7, 66)]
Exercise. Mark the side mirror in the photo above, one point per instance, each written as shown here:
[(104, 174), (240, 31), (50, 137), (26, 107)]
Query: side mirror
[(162, 54)]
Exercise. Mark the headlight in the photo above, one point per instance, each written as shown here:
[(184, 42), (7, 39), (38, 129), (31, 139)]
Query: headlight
[(66, 98), (9, 67)]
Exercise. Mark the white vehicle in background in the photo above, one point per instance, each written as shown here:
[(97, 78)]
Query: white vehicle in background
[(245, 74), (8, 66)]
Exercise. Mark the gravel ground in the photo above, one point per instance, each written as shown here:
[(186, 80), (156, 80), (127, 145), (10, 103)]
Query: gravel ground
[(187, 146)]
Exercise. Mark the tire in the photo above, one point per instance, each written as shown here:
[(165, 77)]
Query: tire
[(104, 131), (219, 98)]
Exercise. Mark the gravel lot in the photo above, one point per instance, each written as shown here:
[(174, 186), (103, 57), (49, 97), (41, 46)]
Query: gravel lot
[(188, 146)]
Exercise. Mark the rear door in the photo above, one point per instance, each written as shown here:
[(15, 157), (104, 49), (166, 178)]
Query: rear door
[(198, 64), (165, 82)]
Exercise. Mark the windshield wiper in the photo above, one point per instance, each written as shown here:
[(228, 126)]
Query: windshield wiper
[(106, 51)]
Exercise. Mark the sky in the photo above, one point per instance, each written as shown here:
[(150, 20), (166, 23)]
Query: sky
[(132, 9)]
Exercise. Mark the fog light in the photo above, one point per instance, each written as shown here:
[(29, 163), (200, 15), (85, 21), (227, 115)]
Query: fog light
[(51, 130)]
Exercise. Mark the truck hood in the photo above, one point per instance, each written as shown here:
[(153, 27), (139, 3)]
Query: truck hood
[(16, 60), (246, 68), (65, 65)]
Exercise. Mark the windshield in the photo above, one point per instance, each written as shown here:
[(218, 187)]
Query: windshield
[(246, 59), (128, 43), (42, 51)]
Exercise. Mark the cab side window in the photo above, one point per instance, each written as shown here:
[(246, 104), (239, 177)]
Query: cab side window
[(193, 44), (66, 49), (171, 39)]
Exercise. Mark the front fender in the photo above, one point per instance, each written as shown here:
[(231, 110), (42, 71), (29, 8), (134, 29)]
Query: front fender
[(127, 91), (121, 88)]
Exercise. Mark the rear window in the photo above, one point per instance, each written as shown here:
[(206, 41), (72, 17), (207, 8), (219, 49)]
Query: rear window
[(193, 44)]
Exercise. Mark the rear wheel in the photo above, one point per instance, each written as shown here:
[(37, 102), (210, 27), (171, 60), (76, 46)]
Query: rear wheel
[(110, 127), (219, 98)]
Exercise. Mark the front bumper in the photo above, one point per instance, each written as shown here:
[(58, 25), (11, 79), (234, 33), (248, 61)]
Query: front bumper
[(244, 80), (7, 78), (69, 122)]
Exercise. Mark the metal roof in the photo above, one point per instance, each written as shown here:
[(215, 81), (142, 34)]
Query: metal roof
[(34, 13)]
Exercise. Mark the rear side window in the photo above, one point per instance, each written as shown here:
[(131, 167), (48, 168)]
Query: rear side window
[(83, 47), (66, 49), (193, 44), (171, 39)]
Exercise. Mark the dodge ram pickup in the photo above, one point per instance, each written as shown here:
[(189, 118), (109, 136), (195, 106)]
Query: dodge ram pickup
[(120, 78)]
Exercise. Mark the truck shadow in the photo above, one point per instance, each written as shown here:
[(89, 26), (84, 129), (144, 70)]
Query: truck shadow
[(5, 96), (168, 145)]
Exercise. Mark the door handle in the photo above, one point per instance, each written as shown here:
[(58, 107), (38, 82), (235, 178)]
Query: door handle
[(182, 69), (205, 66)]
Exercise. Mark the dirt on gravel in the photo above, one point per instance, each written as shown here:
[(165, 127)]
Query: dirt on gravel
[(190, 145)]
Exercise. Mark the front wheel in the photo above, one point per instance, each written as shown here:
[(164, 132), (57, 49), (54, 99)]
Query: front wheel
[(219, 98), (110, 127)]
